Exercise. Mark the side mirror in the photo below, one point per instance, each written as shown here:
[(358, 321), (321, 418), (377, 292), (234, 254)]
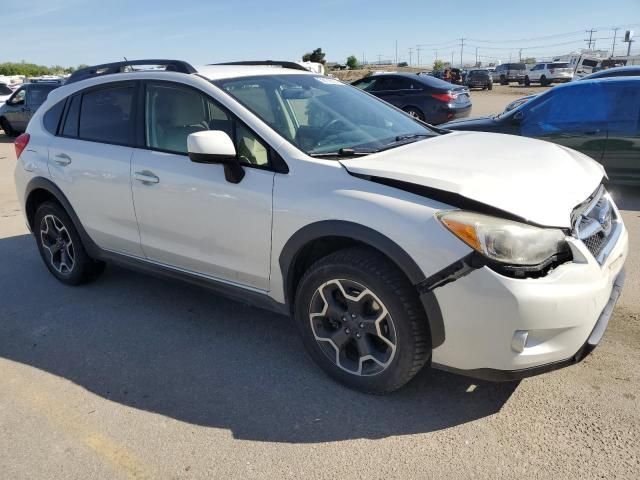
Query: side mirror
[(517, 117), (215, 146)]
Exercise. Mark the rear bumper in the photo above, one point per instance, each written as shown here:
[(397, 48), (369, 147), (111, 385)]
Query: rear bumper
[(495, 375)]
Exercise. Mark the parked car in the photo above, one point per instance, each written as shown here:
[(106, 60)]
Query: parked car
[(600, 118), (426, 98), (548, 73), (630, 71), (18, 109), (479, 78), (516, 103), (509, 72), (392, 246)]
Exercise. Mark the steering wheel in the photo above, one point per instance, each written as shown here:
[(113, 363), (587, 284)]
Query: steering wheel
[(330, 125)]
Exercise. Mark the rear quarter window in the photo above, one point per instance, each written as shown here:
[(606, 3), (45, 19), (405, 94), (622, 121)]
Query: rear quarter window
[(51, 118)]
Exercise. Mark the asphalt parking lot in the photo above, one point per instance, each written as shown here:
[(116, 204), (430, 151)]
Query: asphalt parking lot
[(136, 377)]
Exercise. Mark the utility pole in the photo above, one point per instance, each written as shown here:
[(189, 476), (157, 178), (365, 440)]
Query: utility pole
[(613, 45), (590, 41), (410, 56), (461, 49), (476, 56), (396, 52), (418, 52), (451, 59), (379, 59), (436, 55), (520, 55)]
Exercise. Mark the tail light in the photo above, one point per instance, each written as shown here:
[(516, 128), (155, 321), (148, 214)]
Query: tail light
[(444, 97), (21, 143)]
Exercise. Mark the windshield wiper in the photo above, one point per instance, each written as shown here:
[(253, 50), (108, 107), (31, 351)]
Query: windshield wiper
[(404, 140), (411, 136), (343, 152)]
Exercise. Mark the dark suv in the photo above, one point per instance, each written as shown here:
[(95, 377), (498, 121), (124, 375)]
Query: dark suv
[(509, 72), (20, 107), (479, 79), (422, 96)]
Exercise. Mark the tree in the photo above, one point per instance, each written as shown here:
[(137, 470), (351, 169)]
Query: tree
[(438, 65), (352, 62), (530, 60), (316, 56), (403, 64)]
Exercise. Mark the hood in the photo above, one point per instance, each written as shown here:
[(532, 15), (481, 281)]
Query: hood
[(468, 122), (538, 181)]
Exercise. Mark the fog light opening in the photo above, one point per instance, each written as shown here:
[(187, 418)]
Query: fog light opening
[(519, 340)]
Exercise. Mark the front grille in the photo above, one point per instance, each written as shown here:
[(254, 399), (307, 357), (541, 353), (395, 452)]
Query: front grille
[(595, 243), (595, 222)]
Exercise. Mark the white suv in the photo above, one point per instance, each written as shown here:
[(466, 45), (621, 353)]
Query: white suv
[(548, 73), (392, 244)]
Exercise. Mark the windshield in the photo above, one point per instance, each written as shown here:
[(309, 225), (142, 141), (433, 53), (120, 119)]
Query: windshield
[(323, 116)]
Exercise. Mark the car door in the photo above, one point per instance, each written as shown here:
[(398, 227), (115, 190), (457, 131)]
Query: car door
[(90, 160), (574, 116), (190, 217), (621, 157), (15, 109)]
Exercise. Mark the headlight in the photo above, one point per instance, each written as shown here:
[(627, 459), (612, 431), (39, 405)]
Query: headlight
[(504, 241)]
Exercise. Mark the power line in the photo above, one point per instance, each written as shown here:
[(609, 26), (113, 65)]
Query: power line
[(613, 45), (545, 37)]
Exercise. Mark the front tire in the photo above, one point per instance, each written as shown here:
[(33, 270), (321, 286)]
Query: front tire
[(527, 81), (361, 320), (414, 112), (61, 248), (543, 81), (503, 80), (8, 129)]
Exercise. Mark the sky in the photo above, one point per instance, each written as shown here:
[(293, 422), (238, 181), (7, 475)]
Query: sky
[(71, 32)]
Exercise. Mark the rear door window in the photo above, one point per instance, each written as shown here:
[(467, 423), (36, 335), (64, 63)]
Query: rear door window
[(106, 115)]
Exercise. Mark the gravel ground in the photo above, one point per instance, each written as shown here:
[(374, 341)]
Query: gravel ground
[(135, 377)]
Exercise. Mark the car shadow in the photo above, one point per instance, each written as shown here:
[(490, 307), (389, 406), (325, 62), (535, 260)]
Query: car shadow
[(4, 138), (182, 352)]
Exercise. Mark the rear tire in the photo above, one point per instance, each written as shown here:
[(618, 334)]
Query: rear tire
[(503, 80), (61, 248), (414, 112), (8, 129), (361, 320)]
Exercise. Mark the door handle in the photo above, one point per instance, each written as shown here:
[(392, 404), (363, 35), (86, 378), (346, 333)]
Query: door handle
[(24, 109), (146, 177), (62, 159)]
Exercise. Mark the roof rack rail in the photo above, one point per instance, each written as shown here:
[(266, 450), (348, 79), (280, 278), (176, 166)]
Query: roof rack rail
[(119, 67), (270, 63)]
